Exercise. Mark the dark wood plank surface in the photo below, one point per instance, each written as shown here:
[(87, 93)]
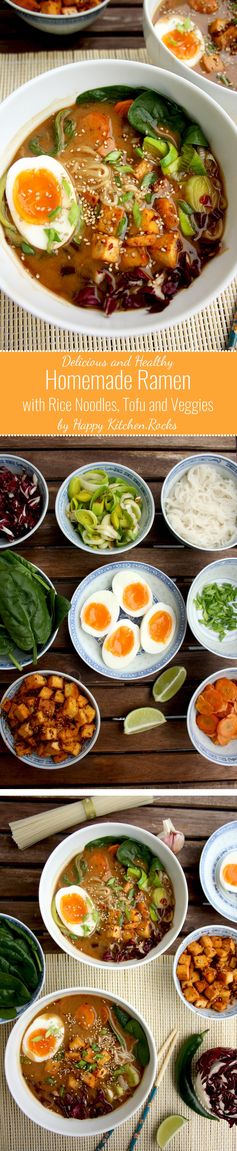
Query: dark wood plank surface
[(118, 26), (198, 817), (164, 757)]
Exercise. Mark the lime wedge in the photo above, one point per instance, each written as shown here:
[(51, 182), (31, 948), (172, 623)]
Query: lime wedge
[(143, 719), (168, 1128), (168, 683)]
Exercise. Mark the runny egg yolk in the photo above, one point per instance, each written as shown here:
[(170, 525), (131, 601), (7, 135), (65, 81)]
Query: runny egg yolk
[(230, 873), (182, 43), (160, 626), (121, 642), (73, 907), (39, 1043), (36, 194), (135, 596), (97, 615)]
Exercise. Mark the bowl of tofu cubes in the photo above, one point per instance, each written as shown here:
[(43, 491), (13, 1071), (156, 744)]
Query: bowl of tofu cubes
[(60, 17), (49, 720), (205, 972)]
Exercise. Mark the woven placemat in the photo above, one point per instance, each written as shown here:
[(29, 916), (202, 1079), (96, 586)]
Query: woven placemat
[(151, 991), (207, 331)]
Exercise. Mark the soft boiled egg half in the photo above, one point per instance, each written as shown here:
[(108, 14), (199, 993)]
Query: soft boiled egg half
[(43, 1038), (132, 592), (228, 872), (121, 644), (183, 38), (99, 613), (42, 202), (157, 628), (76, 910)]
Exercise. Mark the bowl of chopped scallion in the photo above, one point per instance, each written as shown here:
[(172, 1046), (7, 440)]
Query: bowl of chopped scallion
[(212, 608)]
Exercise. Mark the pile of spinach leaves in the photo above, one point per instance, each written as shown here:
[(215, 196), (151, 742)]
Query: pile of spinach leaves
[(148, 111), (30, 610)]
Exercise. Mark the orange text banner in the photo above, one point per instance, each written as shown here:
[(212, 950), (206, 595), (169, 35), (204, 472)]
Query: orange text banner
[(118, 393)]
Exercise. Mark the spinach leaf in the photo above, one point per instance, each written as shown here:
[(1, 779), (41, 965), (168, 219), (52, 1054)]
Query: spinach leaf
[(132, 852), (132, 1027), (112, 93), (6, 647), (30, 610), (150, 110), (195, 135), (105, 841), (61, 609)]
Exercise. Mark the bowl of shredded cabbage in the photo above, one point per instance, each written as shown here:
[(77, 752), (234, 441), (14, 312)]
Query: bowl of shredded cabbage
[(199, 502)]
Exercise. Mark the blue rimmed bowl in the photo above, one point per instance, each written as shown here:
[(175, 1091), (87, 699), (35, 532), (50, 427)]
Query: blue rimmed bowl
[(90, 648), (206, 1012), (24, 658), (18, 464), (219, 572), (58, 25), (42, 762), (223, 840), (35, 995), (118, 471), (202, 742), (227, 467)]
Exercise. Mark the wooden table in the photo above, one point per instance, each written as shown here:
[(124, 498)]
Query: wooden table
[(119, 26), (164, 757), (20, 870)]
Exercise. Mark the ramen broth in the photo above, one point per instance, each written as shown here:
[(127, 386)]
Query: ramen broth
[(217, 22)]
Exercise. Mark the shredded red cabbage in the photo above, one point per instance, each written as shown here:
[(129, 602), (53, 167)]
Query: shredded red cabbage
[(20, 503), (218, 1071), (138, 289)]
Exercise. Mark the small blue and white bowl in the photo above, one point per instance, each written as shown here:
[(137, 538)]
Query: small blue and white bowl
[(58, 25), (227, 467), (18, 464), (24, 658), (38, 989), (221, 571), (90, 649), (202, 742), (222, 842), (118, 471), (38, 760), (206, 1012)]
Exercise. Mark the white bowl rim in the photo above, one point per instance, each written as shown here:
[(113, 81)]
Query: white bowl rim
[(70, 760), (214, 929), (225, 671), (35, 471), (99, 1125), (150, 322), (214, 87), (215, 835), (123, 829), (207, 456), (203, 572), (49, 16), (104, 551), (37, 992)]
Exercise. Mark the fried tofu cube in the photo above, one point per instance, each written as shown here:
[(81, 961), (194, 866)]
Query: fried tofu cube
[(105, 249), (59, 697), (88, 1078), (194, 948), (190, 994), (109, 219), (71, 690), (72, 1081), (81, 717), (72, 749), (50, 732), (202, 1002), (87, 731), (133, 258), (140, 170), (21, 750), (56, 681), (25, 730), (45, 693), (210, 974), (34, 682), (168, 212), (82, 701), (200, 984), (201, 961), (70, 708), (39, 718), (90, 713), (21, 711), (76, 1044), (167, 249), (52, 7)]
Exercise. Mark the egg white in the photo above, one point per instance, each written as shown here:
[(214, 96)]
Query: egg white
[(36, 234), (88, 924), (164, 26), (46, 1022), (230, 857), (123, 580), (117, 661), (108, 600), (150, 645)]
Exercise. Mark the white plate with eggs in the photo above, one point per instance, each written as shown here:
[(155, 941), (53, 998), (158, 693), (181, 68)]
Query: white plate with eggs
[(127, 620), (218, 869)]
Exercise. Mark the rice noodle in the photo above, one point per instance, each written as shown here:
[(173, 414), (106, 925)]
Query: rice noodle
[(202, 507), (87, 166)]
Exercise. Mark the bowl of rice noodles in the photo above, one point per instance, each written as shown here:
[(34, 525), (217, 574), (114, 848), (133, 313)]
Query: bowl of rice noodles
[(199, 502)]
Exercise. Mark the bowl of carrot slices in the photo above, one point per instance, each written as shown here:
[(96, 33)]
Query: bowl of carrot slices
[(212, 717)]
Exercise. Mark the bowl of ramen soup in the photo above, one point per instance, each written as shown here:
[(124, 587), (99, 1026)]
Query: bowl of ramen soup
[(81, 1064), (198, 40), (113, 897), (60, 17), (118, 210)]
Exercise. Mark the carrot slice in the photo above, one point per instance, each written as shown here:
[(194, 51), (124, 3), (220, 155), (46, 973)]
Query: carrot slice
[(86, 1014), (99, 863), (227, 728), (203, 704), (208, 724), (122, 107), (227, 688), (214, 697), (104, 1012), (112, 850)]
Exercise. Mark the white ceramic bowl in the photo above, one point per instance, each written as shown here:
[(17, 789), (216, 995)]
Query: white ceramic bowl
[(37, 760), (227, 467), (35, 994), (89, 648), (24, 658), (206, 1012), (58, 25), (58, 88), (73, 845), (158, 53), (18, 464), (221, 755), (49, 1119), (221, 571), (120, 472), (218, 846)]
